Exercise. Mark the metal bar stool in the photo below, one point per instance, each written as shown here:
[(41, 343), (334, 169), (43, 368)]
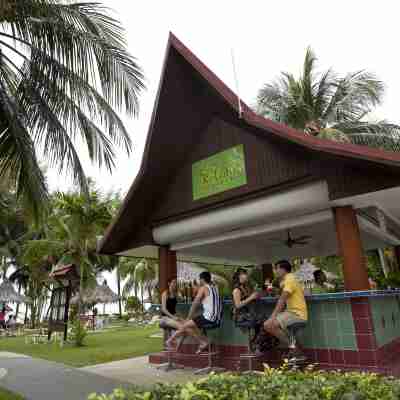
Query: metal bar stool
[(210, 354), (250, 355), (294, 331), (169, 365)]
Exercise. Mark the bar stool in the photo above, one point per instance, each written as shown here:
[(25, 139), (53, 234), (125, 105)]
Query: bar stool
[(250, 355), (294, 331), (210, 354), (169, 365)]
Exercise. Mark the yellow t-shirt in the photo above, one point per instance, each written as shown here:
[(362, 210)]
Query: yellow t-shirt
[(296, 303)]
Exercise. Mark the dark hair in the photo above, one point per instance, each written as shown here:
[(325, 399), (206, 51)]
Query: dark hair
[(206, 276), (236, 275), (285, 265), (318, 273)]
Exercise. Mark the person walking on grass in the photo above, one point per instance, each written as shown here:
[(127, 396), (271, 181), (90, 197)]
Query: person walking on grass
[(208, 297)]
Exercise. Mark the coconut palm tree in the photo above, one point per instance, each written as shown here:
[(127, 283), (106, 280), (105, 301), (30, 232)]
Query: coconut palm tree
[(64, 68), (329, 106), (141, 276), (13, 231), (70, 235)]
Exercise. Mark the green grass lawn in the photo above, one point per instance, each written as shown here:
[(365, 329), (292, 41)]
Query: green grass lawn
[(6, 395), (100, 347)]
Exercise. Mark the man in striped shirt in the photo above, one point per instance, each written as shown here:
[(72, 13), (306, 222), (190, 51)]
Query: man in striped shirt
[(207, 297)]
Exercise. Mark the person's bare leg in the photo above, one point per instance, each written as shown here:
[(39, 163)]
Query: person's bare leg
[(187, 329), (274, 329)]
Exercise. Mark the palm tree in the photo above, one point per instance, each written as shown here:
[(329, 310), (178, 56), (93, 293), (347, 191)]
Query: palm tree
[(70, 235), (329, 106), (127, 272), (141, 276), (64, 67), (13, 230)]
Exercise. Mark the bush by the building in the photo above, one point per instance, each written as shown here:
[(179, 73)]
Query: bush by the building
[(274, 384)]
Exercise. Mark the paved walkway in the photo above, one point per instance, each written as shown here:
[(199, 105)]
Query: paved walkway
[(44, 380), (38, 379), (138, 371)]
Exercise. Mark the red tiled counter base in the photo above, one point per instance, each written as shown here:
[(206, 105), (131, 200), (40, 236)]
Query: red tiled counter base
[(346, 360), (366, 336)]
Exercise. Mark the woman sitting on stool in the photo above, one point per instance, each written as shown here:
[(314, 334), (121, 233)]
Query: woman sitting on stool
[(243, 313), (169, 301)]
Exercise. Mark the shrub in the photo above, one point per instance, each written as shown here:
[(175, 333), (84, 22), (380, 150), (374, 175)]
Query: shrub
[(78, 333), (274, 384), (133, 304), (125, 317)]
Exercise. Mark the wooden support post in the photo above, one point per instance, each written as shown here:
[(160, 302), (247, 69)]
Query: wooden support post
[(267, 272), (167, 267), (350, 248)]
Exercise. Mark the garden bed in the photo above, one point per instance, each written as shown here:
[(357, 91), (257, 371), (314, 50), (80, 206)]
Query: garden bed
[(273, 384)]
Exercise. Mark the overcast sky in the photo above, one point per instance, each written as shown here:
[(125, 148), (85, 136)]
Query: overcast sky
[(267, 37)]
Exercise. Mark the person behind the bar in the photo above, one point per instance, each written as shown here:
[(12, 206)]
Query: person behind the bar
[(322, 283), (290, 308), (207, 297)]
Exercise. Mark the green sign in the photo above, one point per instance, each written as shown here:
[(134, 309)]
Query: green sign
[(218, 173)]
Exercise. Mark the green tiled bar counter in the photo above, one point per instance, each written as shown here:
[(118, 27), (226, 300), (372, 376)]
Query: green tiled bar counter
[(349, 330)]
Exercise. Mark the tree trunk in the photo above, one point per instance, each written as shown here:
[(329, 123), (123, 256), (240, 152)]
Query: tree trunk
[(26, 314), (33, 314), (19, 292), (142, 297), (119, 292)]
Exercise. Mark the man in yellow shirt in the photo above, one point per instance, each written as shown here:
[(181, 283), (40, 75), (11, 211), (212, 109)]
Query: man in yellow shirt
[(291, 307)]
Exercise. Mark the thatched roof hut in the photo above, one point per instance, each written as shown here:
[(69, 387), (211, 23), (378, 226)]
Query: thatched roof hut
[(100, 294)]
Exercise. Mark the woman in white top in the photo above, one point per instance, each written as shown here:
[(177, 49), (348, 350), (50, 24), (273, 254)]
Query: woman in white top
[(208, 297)]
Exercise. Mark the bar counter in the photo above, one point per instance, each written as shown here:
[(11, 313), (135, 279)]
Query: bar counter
[(346, 330)]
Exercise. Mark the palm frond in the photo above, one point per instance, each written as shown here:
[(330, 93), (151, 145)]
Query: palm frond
[(307, 78), (18, 162), (68, 68), (355, 96), (379, 134), (84, 38)]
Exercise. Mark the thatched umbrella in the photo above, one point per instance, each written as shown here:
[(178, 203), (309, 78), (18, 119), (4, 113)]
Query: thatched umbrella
[(100, 294), (9, 295)]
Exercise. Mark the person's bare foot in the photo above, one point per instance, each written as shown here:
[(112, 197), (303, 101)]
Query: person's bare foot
[(203, 346), (170, 344)]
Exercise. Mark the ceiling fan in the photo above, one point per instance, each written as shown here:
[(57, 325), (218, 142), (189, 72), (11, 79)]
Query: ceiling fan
[(291, 241)]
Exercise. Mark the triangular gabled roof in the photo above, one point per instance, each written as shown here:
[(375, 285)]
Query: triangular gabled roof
[(153, 170)]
